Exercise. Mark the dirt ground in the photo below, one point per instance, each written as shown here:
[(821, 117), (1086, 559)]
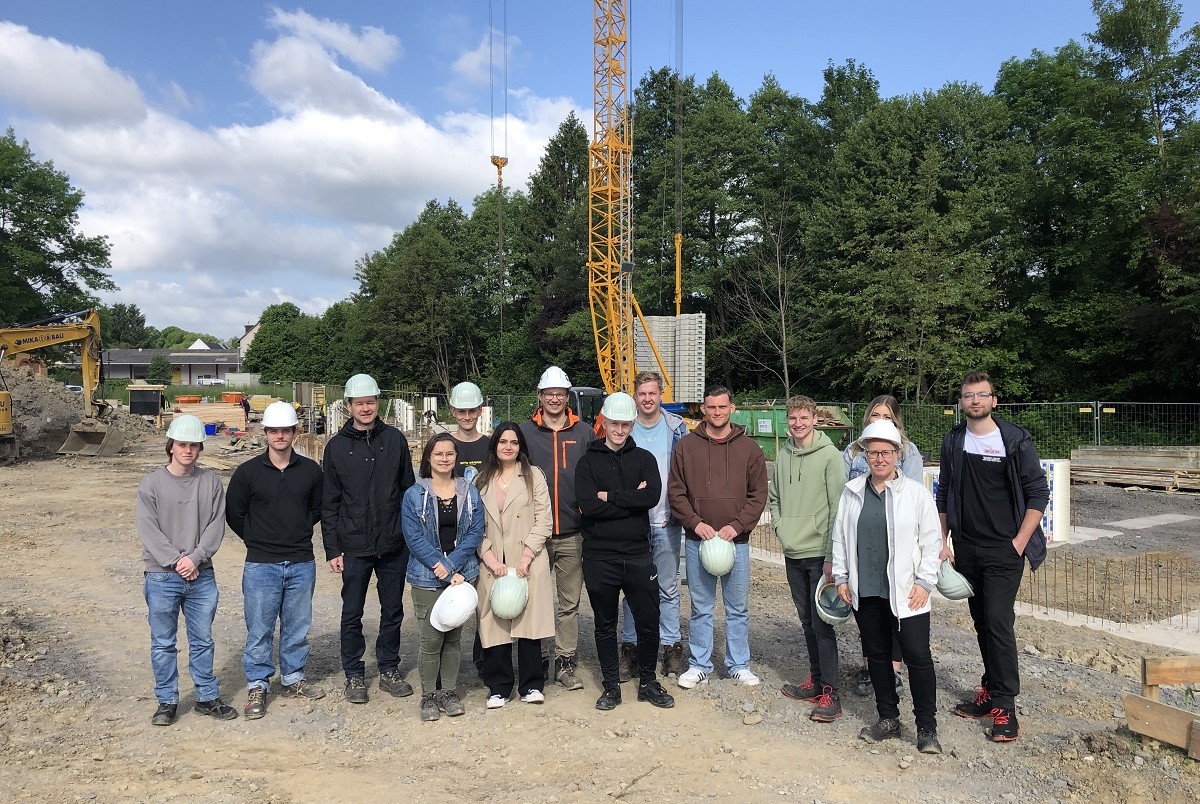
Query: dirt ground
[(75, 697)]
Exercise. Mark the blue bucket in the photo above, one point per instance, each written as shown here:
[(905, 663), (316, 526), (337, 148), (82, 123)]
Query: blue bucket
[(210, 428)]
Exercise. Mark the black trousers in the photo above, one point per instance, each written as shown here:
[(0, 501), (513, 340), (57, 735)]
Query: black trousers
[(638, 579), (389, 572), (803, 576), (995, 574), (877, 626), (498, 667)]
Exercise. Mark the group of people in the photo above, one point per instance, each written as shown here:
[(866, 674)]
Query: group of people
[(566, 509)]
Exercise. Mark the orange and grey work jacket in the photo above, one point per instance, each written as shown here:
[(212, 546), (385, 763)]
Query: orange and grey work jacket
[(556, 452)]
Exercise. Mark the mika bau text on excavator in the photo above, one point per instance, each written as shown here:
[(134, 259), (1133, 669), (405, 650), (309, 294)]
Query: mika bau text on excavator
[(90, 436)]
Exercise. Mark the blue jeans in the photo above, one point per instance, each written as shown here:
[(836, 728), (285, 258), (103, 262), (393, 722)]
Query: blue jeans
[(166, 595), (278, 592), (735, 593), (664, 547)]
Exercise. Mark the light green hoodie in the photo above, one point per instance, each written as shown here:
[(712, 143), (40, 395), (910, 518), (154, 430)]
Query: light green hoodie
[(804, 495)]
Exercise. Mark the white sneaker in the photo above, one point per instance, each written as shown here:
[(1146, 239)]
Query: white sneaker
[(746, 677), (693, 678), (533, 697), (496, 701)]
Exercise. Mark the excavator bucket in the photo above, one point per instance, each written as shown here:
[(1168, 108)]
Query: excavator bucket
[(90, 437)]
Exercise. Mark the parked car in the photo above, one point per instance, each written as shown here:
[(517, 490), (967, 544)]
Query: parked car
[(76, 388), (209, 381)]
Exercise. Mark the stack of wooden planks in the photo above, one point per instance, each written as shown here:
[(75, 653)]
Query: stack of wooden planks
[(1172, 468)]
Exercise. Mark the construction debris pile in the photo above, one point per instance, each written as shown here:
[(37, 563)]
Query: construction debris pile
[(44, 411)]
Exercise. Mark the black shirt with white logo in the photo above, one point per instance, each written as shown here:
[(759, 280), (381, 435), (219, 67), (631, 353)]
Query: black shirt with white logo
[(987, 504)]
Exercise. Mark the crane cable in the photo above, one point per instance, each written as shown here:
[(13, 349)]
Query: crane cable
[(501, 159)]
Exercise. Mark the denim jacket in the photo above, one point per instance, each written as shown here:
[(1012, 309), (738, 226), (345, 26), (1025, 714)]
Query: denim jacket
[(420, 517)]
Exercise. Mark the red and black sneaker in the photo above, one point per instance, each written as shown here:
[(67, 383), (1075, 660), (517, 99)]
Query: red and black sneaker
[(1004, 725), (979, 708), (828, 706), (804, 691)]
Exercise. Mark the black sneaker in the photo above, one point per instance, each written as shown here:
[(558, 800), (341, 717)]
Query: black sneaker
[(862, 682), (981, 707), (429, 707), (1004, 725), (887, 728), (899, 685), (807, 690), (927, 742), (609, 699), (391, 681), (256, 703), (302, 689), (449, 703), (828, 706), (356, 690), (627, 662), (655, 694), (216, 708), (165, 714)]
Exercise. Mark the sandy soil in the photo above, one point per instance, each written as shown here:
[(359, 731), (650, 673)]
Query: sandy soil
[(75, 699)]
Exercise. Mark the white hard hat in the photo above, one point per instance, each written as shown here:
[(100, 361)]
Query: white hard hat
[(509, 595), (880, 430), (619, 407), (466, 396), (717, 556), (186, 428), (951, 583), (830, 606), (554, 377), (454, 606), (361, 385), (279, 414)]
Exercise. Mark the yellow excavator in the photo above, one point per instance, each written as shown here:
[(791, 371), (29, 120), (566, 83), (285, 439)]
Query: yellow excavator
[(90, 436)]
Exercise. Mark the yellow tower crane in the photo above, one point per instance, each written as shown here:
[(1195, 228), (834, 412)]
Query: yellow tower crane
[(610, 210)]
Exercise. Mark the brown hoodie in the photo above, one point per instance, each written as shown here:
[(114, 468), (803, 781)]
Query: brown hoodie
[(718, 482)]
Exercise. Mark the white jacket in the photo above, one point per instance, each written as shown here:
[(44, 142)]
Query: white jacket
[(914, 540)]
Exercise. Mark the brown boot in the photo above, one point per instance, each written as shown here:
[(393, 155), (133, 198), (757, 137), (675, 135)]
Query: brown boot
[(627, 662), (675, 660)]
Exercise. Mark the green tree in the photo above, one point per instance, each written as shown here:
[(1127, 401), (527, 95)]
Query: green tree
[(282, 350), (159, 371), (123, 326), (47, 265)]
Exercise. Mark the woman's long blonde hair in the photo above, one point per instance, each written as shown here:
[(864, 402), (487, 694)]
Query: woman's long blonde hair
[(893, 406)]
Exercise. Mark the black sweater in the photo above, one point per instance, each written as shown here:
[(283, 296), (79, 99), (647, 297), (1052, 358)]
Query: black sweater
[(620, 527), (274, 510)]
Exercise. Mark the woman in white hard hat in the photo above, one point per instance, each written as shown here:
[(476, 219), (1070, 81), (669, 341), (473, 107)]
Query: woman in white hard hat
[(443, 522), (517, 503), (886, 541)]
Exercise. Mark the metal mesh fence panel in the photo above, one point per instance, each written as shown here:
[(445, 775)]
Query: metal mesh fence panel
[(1147, 424)]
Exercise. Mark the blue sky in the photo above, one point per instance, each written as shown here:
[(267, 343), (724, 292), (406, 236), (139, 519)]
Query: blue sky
[(238, 154)]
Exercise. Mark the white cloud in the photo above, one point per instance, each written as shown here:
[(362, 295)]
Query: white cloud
[(373, 49)]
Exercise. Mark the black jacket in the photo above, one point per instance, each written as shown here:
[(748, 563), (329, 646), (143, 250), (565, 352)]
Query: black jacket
[(620, 527), (1026, 481), (556, 452), (366, 475), (274, 510)]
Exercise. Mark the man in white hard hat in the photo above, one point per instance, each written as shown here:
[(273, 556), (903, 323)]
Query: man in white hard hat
[(466, 406), (557, 439), (180, 518), (618, 483), (368, 467), (272, 503), (658, 431)]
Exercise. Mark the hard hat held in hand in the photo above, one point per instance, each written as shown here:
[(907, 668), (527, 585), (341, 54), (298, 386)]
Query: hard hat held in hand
[(361, 385), (279, 414), (454, 607), (717, 556), (509, 595), (186, 428), (951, 584), (554, 377), (619, 407), (466, 396), (830, 606)]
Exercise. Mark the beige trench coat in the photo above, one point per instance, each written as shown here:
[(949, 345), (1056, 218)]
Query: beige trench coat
[(523, 521)]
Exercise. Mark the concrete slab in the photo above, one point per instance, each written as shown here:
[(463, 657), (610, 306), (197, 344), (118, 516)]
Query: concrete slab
[(1082, 534), (1163, 634), (1141, 523)]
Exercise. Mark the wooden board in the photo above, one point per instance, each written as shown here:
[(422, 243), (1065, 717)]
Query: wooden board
[(227, 413), (1162, 722), (1170, 670)]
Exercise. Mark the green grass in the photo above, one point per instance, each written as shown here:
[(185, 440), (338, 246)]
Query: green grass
[(118, 389)]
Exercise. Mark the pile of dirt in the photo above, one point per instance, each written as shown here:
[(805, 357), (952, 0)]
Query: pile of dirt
[(44, 411)]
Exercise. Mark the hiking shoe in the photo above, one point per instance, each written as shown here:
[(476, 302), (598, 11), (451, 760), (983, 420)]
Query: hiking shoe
[(979, 708), (533, 697), (429, 707), (899, 685), (862, 682), (655, 694), (450, 704), (927, 742), (692, 678), (828, 706), (496, 701), (1004, 725), (302, 689), (164, 715), (627, 662), (256, 703), (564, 673), (216, 708), (887, 728), (356, 690), (609, 699), (746, 677), (391, 681), (675, 660), (807, 690)]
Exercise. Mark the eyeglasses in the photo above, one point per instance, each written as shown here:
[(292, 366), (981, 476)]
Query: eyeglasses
[(555, 395), (982, 396), (875, 454)]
